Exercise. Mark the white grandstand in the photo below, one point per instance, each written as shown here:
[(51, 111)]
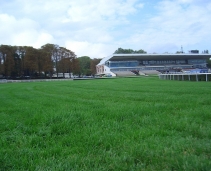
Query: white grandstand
[(146, 64)]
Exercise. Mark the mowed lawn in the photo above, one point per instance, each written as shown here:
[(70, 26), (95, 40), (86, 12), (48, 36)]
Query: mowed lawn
[(106, 124)]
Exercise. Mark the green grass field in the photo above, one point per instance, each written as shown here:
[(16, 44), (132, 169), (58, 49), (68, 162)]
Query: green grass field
[(107, 124)]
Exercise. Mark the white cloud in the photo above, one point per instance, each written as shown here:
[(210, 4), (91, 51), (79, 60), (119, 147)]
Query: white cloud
[(94, 50), (38, 22), (81, 11), (174, 26), (185, 1), (141, 5), (97, 28), (22, 32), (32, 38)]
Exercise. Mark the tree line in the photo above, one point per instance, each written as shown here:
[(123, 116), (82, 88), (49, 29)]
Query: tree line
[(49, 60)]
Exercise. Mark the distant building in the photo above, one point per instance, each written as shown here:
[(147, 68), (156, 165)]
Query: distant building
[(194, 51), (138, 64)]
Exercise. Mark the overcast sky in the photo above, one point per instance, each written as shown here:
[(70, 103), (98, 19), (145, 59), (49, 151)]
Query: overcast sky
[(96, 28)]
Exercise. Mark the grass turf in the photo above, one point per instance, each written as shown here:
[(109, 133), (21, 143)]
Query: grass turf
[(111, 124)]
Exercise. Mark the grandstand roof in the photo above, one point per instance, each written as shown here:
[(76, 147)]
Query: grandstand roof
[(166, 56)]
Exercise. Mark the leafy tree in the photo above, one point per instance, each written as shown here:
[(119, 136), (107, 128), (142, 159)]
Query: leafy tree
[(85, 62), (140, 51), (60, 56), (1, 64), (44, 62), (65, 63), (209, 63), (17, 65), (31, 60), (24, 60), (123, 51), (7, 57), (75, 67), (93, 64), (128, 51), (21, 51), (53, 51)]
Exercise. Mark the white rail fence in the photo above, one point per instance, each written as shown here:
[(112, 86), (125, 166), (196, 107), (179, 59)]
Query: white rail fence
[(186, 76)]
